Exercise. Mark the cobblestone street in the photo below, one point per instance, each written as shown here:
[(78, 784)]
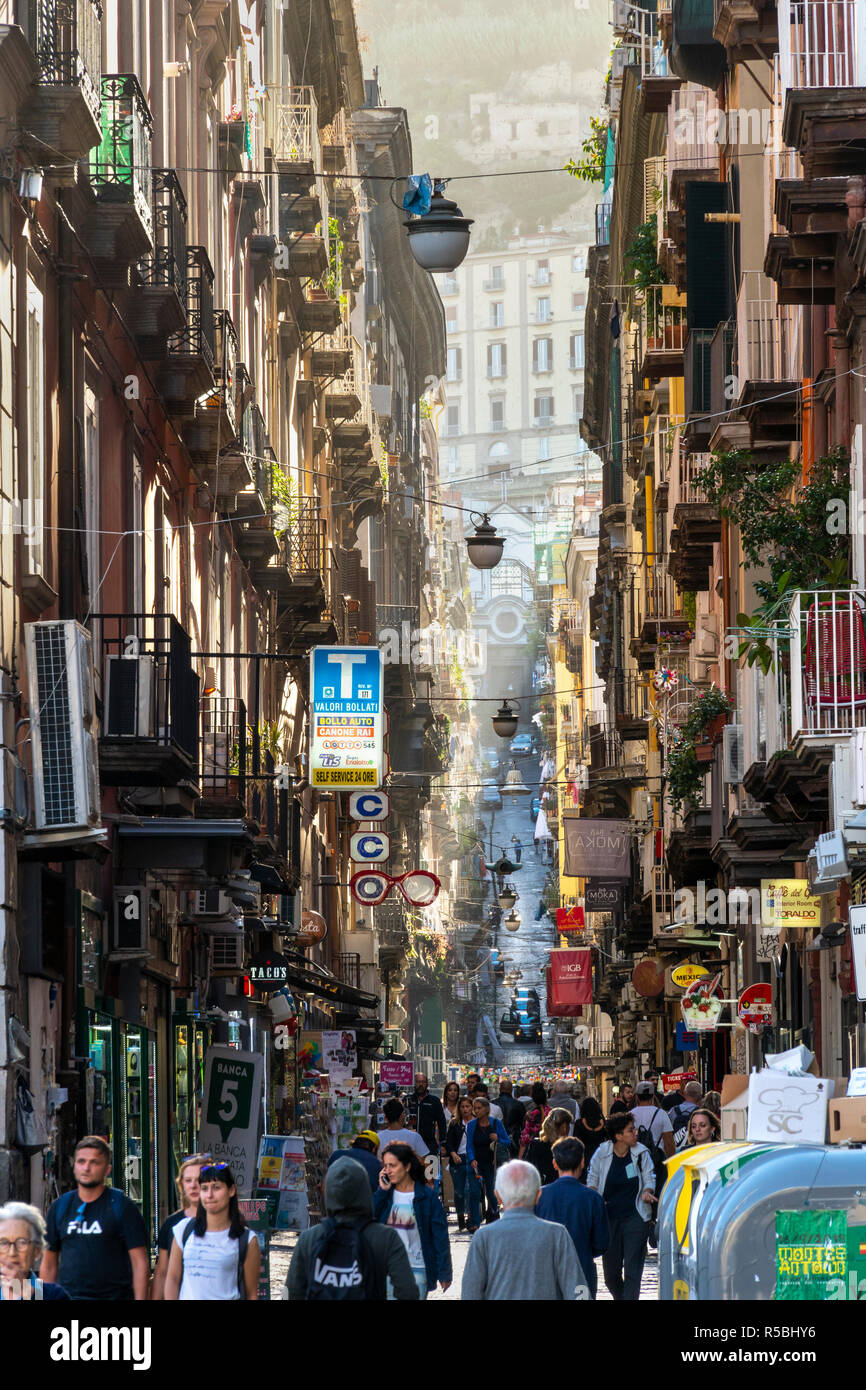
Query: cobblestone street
[(282, 1246)]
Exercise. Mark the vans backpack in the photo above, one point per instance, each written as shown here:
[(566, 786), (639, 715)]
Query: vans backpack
[(652, 1143), (339, 1265)]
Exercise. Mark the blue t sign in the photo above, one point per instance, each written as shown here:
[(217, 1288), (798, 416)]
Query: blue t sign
[(346, 727)]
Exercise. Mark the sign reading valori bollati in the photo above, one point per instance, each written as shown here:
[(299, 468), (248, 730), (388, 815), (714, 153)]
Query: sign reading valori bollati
[(346, 718), (597, 848), (811, 1254), (232, 1100), (787, 902)]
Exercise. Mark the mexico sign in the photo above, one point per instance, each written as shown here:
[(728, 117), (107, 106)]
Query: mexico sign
[(346, 717)]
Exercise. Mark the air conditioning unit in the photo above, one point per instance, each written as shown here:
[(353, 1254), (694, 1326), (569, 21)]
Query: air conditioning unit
[(210, 902), (733, 754), (831, 856), (226, 952), (848, 778), (581, 777), (62, 726), (130, 683)]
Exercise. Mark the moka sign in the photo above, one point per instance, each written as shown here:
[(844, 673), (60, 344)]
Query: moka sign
[(597, 848), (601, 896)]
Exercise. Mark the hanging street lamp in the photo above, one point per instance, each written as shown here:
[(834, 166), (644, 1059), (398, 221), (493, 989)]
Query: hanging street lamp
[(505, 720), (439, 239), (512, 921), (514, 785), (485, 546), (507, 897)]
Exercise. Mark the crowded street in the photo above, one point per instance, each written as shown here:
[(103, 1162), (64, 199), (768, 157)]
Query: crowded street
[(432, 667)]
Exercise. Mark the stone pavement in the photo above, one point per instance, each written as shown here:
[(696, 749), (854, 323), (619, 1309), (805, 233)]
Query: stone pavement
[(282, 1246)]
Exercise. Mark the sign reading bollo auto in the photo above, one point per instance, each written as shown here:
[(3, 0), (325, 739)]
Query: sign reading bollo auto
[(347, 722), (230, 1123)]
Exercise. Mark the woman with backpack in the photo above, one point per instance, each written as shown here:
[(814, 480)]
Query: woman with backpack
[(407, 1205), (214, 1255), (622, 1171), (556, 1125), (589, 1129), (538, 1108)]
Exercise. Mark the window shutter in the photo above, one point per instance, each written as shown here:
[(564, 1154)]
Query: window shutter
[(535, 342), (708, 247), (489, 359), (550, 354), (503, 357)]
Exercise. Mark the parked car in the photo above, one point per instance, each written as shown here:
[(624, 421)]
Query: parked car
[(490, 792), (521, 745), (491, 759)]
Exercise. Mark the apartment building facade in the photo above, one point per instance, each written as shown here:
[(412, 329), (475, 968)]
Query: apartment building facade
[(207, 450), (724, 338)]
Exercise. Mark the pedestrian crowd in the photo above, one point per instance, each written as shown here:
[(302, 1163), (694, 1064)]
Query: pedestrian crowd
[(543, 1184)]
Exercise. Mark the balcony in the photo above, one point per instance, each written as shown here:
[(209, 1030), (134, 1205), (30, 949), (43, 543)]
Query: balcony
[(158, 307), (189, 369), (237, 780), (631, 705), (299, 572), (663, 332), (293, 129), (308, 256), (828, 664), (742, 24), (119, 229), (320, 311), (299, 212), (822, 60), (602, 224), (697, 386), (769, 355), (62, 114), (692, 155), (495, 284), (149, 694), (332, 356), (697, 525), (391, 925), (212, 432)]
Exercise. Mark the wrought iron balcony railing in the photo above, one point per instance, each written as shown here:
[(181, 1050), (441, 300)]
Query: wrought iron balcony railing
[(196, 340), (120, 167), (168, 264), (66, 37)]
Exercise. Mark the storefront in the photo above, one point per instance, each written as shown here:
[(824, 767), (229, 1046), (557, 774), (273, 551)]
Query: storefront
[(190, 1039), (121, 1105)]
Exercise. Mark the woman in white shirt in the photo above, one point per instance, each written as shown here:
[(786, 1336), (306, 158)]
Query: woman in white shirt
[(467, 1191), (214, 1255)]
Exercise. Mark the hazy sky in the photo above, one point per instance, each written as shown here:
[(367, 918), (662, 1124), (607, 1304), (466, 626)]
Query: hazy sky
[(486, 87)]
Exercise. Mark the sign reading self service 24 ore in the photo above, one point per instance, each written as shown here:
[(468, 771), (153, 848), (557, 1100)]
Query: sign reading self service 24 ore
[(347, 719)]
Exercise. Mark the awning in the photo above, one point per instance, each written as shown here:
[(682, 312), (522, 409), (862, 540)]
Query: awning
[(315, 980), (210, 848)]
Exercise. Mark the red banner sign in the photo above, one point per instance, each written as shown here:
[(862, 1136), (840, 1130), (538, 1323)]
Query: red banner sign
[(675, 1080), (570, 983), (570, 918)]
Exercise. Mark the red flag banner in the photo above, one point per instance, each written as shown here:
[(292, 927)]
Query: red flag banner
[(570, 982), (570, 918)]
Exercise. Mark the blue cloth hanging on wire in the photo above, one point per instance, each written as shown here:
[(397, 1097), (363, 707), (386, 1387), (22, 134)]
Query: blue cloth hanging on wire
[(417, 200)]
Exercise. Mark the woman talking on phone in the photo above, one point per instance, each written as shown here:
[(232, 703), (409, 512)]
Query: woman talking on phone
[(405, 1203)]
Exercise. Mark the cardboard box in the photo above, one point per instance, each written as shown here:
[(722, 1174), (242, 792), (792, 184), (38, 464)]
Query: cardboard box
[(735, 1106), (788, 1109), (848, 1119)]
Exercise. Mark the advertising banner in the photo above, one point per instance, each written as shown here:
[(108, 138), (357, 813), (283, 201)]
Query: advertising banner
[(232, 1100), (602, 897), (569, 918), (811, 1254), (570, 982), (787, 902), (346, 717), (597, 848), (399, 1074), (675, 1080), (339, 1054)]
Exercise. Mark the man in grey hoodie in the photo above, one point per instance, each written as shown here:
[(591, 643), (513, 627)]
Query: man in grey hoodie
[(349, 1201), (522, 1257)]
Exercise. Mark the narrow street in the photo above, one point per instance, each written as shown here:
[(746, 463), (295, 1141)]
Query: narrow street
[(526, 949)]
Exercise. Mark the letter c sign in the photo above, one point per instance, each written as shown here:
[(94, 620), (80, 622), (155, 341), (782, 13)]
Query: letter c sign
[(370, 847), (372, 805)]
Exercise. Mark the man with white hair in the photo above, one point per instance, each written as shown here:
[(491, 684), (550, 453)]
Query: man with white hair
[(522, 1257)]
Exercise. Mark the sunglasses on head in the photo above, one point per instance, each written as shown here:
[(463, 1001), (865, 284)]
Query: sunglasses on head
[(213, 1170)]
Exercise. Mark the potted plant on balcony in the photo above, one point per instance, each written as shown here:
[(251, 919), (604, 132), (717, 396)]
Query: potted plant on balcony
[(705, 721)]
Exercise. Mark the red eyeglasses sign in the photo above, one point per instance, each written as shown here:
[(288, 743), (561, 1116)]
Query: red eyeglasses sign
[(371, 886)]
